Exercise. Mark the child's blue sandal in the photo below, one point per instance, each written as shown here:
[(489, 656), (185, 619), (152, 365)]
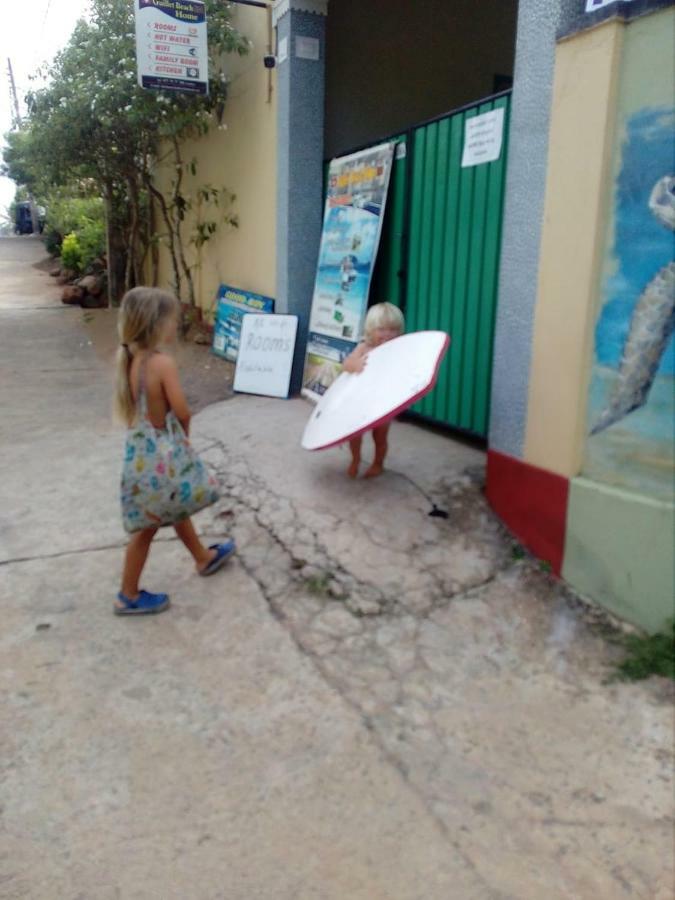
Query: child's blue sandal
[(146, 604), (223, 553)]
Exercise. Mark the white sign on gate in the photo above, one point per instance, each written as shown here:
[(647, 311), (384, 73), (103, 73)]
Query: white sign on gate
[(483, 138), (171, 45), (265, 355)]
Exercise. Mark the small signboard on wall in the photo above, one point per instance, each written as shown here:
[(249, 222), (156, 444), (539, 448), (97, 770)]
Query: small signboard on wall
[(266, 355), (233, 305), (171, 45), (483, 138), (592, 5)]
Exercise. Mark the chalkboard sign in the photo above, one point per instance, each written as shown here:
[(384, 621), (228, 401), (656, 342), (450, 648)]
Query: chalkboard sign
[(266, 355)]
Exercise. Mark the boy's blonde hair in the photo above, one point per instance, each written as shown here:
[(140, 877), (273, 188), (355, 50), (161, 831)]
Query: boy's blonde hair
[(384, 315), (143, 314)]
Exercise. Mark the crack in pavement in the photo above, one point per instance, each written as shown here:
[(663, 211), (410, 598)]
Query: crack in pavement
[(403, 651), (252, 499), (277, 610), (78, 551)]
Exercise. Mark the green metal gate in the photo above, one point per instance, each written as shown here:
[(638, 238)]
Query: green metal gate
[(439, 257)]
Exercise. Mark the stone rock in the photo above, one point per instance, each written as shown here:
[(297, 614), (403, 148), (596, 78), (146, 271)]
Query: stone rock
[(72, 294), (364, 605), (55, 271), (66, 276), (98, 265), (336, 590), (202, 338), (92, 285)]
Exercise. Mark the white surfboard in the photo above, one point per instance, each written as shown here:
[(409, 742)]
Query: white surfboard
[(397, 374)]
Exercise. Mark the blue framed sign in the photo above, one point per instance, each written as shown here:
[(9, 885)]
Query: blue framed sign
[(233, 305)]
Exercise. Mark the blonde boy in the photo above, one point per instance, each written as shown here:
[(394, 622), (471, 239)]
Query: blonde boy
[(383, 323)]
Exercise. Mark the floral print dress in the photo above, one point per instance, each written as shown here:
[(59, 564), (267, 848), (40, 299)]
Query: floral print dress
[(163, 478)]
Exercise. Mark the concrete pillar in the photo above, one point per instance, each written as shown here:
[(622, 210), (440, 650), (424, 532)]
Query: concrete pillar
[(301, 28), (523, 217)]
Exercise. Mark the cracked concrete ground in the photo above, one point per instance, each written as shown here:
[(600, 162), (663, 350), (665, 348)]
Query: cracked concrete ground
[(369, 703)]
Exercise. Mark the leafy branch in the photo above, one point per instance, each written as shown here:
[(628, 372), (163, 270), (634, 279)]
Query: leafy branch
[(91, 123)]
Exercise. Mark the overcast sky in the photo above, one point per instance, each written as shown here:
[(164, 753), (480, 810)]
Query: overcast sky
[(32, 32)]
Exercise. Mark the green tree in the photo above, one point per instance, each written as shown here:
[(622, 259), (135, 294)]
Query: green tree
[(93, 122)]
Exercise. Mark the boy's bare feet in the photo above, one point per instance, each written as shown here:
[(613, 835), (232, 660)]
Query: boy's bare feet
[(353, 470), (375, 470)]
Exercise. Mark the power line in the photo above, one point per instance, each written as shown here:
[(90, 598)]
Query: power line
[(38, 44), (44, 19)]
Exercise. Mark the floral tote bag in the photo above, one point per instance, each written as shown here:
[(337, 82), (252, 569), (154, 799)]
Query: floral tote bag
[(163, 478)]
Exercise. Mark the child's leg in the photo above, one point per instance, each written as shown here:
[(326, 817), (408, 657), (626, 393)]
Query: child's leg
[(201, 554), (136, 555), (380, 438), (355, 446)]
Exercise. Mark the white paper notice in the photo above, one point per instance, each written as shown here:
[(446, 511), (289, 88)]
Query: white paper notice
[(483, 138), (307, 48), (283, 50)]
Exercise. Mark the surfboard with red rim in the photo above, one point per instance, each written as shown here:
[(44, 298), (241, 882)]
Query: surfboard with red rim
[(396, 376)]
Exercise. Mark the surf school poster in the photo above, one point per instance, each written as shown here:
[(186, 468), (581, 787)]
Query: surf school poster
[(352, 224), (233, 305)]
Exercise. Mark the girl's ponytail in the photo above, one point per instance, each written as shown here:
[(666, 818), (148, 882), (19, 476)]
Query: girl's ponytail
[(142, 318), (125, 408)]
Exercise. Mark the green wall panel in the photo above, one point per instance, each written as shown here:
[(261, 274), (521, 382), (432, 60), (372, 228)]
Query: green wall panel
[(439, 258), (453, 265)]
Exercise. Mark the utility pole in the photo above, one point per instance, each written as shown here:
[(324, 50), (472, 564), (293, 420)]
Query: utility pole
[(17, 124), (15, 96)]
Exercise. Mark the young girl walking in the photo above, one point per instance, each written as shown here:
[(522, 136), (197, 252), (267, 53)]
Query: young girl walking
[(163, 480)]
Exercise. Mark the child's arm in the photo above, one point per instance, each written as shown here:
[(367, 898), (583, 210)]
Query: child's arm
[(168, 372), (356, 361)]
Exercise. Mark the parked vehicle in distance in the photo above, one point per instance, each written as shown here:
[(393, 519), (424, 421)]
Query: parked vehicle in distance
[(23, 222)]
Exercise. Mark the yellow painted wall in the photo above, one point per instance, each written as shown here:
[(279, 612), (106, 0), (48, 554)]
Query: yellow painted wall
[(242, 158), (577, 201)]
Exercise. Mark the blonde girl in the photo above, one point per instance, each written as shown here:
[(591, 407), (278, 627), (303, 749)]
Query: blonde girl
[(163, 479), (384, 322)]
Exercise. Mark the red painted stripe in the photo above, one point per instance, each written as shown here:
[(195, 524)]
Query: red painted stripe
[(532, 502)]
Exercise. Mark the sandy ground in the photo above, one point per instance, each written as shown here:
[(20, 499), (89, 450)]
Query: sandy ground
[(206, 378)]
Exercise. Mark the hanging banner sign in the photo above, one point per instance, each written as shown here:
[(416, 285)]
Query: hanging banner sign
[(171, 45), (352, 224)]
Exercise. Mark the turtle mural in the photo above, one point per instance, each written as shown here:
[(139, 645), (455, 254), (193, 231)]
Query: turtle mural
[(651, 325), (631, 412)]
